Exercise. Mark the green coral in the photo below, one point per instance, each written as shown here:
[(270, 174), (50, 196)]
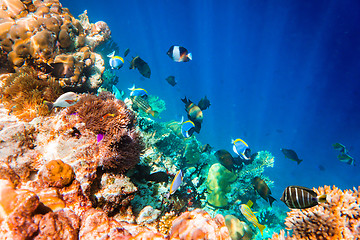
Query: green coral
[(218, 184), (192, 152), (156, 103), (109, 79)]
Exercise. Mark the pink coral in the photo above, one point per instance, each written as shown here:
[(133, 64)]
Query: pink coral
[(339, 218), (198, 224)]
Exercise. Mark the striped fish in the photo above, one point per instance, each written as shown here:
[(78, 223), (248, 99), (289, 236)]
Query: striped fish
[(141, 103), (250, 216), (301, 197)]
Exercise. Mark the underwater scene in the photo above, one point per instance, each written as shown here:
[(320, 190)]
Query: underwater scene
[(185, 120)]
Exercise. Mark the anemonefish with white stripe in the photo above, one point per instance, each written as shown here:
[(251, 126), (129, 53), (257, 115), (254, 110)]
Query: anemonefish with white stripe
[(301, 197), (115, 62), (242, 149), (250, 216), (179, 54)]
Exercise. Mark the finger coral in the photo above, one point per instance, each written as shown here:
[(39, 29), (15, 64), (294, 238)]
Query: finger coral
[(338, 218)]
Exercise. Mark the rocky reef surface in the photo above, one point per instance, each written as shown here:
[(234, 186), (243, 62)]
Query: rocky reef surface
[(102, 168)]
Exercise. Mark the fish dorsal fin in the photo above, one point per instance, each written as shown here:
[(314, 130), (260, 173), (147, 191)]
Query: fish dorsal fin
[(249, 203), (111, 54), (182, 120)]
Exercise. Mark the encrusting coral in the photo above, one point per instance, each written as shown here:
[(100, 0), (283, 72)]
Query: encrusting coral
[(338, 218)]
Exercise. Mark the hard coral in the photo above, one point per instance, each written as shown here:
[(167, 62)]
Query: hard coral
[(198, 224), (17, 209), (56, 173), (339, 218), (121, 146)]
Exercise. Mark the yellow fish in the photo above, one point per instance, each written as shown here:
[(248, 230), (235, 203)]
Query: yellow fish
[(249, 215)]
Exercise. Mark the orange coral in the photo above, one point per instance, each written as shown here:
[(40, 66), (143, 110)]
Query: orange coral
[(339, 218), (23, 93), (56, 173), (198, 224)]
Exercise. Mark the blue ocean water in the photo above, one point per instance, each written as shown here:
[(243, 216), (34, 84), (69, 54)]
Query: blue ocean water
[(279, 74)]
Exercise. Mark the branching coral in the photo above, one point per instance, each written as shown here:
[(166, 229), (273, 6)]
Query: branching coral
[(106, 116), (23, 93), (339, 218)]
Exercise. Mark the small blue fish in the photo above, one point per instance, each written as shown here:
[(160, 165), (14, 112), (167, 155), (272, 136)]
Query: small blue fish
[(176, 182), (242, 149), (115, 62), (117, 93), (138, 92), (187, 128)]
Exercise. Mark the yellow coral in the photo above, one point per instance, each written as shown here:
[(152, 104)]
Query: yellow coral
[(165, 222)]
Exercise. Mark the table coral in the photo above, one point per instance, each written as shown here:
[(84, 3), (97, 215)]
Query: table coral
[(339, 218), (198, 224)]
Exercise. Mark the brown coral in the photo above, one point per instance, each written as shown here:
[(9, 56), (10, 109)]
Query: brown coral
[(339, 218), (63, 224), (104, 115), (23, 93)]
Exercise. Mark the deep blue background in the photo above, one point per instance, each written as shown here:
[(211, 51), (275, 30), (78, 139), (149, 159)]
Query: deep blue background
[(279, 74)]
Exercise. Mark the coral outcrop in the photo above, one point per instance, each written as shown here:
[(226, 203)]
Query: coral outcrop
[(339, 218), (219, 180), (198, 224), (41, 33)]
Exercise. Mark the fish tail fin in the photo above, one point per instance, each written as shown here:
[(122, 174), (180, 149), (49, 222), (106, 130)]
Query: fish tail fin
[(189, 56), (50, 105), (322, 198), (182, 120), (261, 228), (298, 162), (271, 200), (132, 88), (111, 54), (155, 114), (185, 100)]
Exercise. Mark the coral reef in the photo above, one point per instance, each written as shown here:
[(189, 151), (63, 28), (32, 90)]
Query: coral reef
[(238, 229), (198, 224), (45, 36), (23, 93), (338, 218), (104, 115), (218, 184)]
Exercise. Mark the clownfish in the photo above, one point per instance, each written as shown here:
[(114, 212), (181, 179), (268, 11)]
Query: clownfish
[(115, 62), (179, 54)]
